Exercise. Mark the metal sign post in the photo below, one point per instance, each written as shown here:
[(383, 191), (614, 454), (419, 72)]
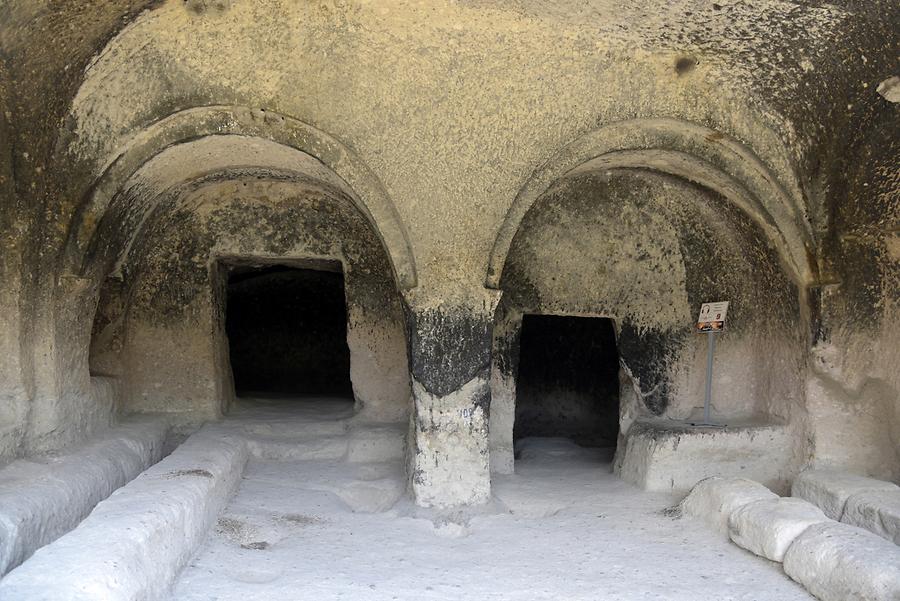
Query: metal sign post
[(711, 321), (710, 351)]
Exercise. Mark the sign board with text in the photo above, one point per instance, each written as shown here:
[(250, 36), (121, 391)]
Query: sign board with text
[(712, 317)]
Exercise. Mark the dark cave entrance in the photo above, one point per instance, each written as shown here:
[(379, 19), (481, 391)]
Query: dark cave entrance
[(287, 330), (568, 380)]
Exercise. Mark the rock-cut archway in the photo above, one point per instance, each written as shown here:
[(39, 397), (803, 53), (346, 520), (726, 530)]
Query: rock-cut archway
[(687, 150), (640, 230), (315, 149), (149, 179)]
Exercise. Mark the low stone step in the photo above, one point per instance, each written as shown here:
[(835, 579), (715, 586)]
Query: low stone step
[(376, 443), (292, 449), (297, 429)]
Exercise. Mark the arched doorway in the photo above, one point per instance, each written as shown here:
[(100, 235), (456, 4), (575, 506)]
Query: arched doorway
[(644, 249), (179, 230)]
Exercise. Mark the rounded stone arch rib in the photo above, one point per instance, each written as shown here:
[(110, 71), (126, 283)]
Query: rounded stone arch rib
[(366, 190), (683, 149)]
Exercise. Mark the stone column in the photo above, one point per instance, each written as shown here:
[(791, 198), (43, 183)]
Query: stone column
[(504, 371), (450, 365)]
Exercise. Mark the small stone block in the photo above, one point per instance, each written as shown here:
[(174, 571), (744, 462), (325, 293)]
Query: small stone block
[(838, 562), (768, 527), (714, 499), (876, 511), (829, 489)]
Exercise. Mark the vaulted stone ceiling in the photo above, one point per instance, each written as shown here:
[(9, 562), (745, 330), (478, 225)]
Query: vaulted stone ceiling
[(444, 124)]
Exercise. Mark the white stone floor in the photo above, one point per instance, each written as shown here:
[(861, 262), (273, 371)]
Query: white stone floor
[(562, 528)]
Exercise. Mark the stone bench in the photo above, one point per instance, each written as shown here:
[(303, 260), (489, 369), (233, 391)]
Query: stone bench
[(132, 546), (833, 560), (42, 498)]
